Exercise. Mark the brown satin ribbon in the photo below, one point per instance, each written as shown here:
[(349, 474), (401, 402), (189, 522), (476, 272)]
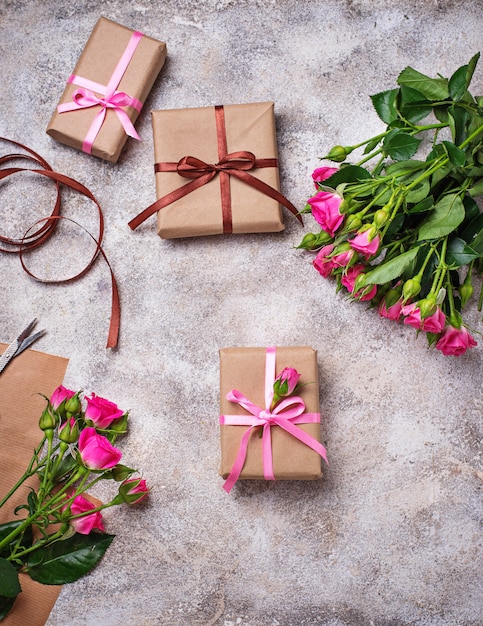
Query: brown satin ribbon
[(39, 232), (230, 164)]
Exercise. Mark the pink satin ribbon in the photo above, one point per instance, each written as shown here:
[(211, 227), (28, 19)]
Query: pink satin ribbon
[(286, 414), (86, 97)]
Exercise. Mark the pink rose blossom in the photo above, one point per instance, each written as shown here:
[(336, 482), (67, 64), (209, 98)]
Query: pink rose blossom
[(349, 279), (134, 490), (322, 173), (102, 412), (455, 341), (286, 382), (325, 209), (322, 262), (432, 324), (59, 395), (362, 244), (86, 523), (393, 312), (96, 451)]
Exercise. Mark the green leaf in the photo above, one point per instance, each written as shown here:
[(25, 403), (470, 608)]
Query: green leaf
[(447, 215), (5, 606), (405, 167), (471, 68), (457, 121), (457, 83), (434, 89), (66, 561), (347, 174), (412, 105), (474, 228), (385, 105), (476, 190), (389, 270), (456, 155), (371, 145), (460, 253), (9, 583), (422, 206), (419, 192), (399, 145)]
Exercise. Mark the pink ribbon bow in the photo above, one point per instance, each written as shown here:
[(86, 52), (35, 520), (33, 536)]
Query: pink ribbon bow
[(286, 414), (86, 97)]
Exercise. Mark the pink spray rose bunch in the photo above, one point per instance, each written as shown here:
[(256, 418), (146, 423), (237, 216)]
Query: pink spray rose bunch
[(63, 525), (404, 233)]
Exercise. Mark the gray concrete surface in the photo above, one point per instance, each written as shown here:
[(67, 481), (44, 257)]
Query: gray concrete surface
[(391, 535)]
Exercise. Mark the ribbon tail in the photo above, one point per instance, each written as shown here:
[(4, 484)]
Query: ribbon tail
[(303, 437), (127, 124), (267, 453), (93, 131), (168, 199), (267, 190), (239, 462)]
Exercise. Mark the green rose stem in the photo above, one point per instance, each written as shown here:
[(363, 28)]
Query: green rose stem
[(28, 473)]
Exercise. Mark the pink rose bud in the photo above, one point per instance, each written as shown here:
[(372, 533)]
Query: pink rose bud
[(69, 431), (134, 490), (102, 412), (286, 382), (323, 262), (60, 395), (322, 173), (96, 451), (365, 243), (455, 341), (88, 522), (349, 280)]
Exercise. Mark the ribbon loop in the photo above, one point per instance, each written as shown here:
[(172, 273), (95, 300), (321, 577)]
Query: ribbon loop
[(287, 413)]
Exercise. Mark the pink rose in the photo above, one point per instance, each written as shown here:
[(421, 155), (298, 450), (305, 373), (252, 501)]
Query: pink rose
[(455, 341), (432, 324), (362, 244), (134, 490), (286, 382), (392, 312), (322, 173), (86, 523), (102, 412), (349, 279), (96, 451), (322, 262), (59, 395), (325, 209)]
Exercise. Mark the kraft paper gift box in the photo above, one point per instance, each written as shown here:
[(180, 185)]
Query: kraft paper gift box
[(110, 48), (244, 369), (225, 203)]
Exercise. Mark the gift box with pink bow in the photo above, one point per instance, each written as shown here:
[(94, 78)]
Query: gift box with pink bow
[(269, 414), (107, 89)]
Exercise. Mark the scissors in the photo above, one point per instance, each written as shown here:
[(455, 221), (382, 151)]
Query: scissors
[(23, 341)]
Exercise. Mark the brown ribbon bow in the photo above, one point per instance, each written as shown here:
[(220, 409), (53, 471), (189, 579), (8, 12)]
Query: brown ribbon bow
[(233, 164)]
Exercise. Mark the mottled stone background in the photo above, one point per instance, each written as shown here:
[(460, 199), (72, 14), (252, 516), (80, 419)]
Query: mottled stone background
[(391, 535)]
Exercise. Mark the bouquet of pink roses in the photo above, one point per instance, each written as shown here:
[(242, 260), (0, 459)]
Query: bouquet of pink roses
[(406, 235), (61, 535)]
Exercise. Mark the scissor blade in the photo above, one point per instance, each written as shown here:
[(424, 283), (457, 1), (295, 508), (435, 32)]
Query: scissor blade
[(28, 341)]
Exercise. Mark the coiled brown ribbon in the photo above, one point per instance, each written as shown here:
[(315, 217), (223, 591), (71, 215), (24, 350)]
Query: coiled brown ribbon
[(234, 164), (42, 229)]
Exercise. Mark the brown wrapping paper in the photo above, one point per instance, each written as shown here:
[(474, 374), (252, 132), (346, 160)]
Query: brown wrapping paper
[(21, 382), (192, 132), (97, 62), (244, 369)]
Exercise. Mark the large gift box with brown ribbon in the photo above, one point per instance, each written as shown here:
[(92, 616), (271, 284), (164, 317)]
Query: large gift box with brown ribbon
[(259, 441), (105, 93), (216, 171)]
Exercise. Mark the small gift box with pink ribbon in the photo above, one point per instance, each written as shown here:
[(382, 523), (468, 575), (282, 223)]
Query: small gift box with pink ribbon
[(216, 171), (106, 92), (269, 414)]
